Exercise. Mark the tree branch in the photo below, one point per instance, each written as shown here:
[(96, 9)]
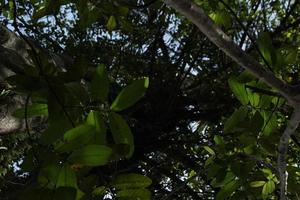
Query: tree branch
[(282, 150), (195, 14)]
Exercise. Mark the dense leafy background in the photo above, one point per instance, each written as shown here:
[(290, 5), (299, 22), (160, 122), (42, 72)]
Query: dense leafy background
[(149, 108)]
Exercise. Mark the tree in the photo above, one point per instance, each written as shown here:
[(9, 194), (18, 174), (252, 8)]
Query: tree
[(121, 99)]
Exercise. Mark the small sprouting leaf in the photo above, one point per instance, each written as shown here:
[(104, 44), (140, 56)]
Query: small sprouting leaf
[(130, 94), (36, 109), (130, 181), (100, 84), (91, 155), (257, 183), (238, 116), (121, 131), (239, 91), (111, 23)]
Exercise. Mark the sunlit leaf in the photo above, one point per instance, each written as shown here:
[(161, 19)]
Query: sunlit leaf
[(76, 137), (130, 94), (257, 183), (111, 23), (91, 155)]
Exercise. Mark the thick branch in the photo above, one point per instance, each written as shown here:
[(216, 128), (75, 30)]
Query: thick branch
[(194, 13), (14, 54), (282, 150)]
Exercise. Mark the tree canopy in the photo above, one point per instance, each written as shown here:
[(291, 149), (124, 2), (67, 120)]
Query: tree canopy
[(149, 99)]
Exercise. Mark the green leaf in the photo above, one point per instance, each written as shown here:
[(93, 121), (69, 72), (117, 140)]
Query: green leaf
[(257, 183), (35, 109), (254, 98), (81, 130), (219, 140), (227, 190), (76, 137), (100, 84), (238, 116), (134, 194), (91, 155), (238, 90), (130, 181), (265, 192), (121, 131), (95, 119), (111, 23), (209, 150), (130, 94), (270, 122), (264, 42), (66, 177), (269, 187)]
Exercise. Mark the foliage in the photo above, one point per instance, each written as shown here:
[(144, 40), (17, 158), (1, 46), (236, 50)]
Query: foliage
[(146, 107)]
